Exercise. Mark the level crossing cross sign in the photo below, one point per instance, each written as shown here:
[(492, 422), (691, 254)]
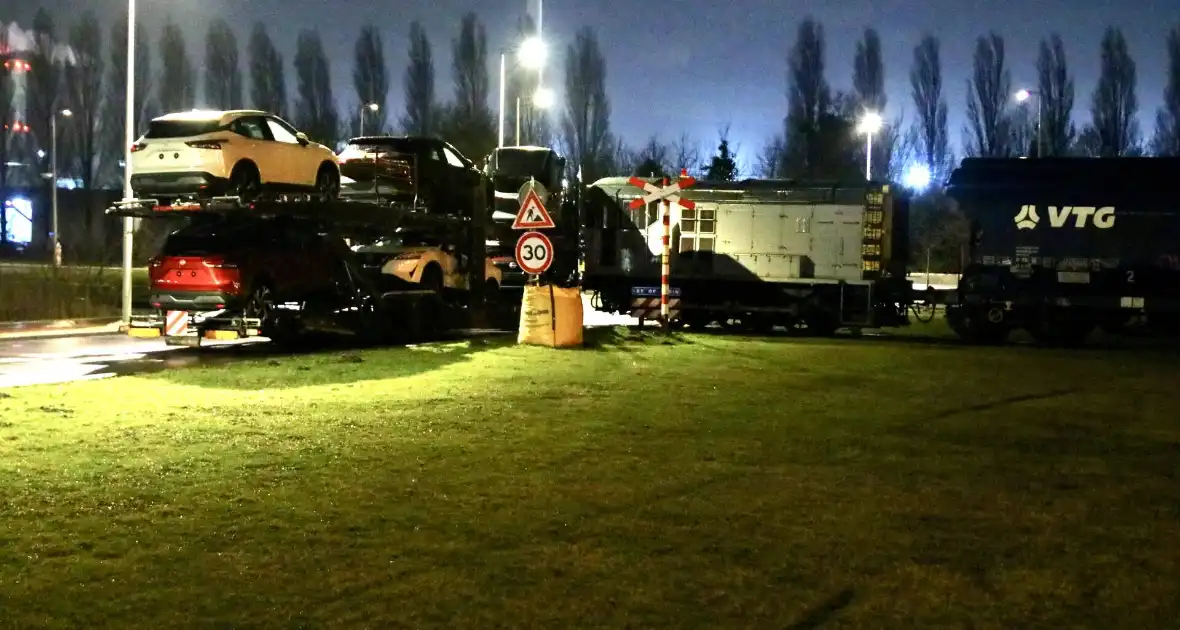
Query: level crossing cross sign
[(532, 214), (666, 193)]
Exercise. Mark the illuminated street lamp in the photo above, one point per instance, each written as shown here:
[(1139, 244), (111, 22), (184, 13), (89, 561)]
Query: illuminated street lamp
[(532, 53), (1022, 97), (870, 124), (368, 107), (53, 178)]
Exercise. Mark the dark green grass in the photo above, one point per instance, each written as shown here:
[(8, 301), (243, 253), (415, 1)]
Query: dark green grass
[(698, 482), (31, 292)]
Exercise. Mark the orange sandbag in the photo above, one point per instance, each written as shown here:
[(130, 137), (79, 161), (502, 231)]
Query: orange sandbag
[(550, 316)]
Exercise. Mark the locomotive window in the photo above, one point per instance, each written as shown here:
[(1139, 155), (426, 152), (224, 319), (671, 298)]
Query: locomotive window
[(687, 244), (688, 220), (705, 244)]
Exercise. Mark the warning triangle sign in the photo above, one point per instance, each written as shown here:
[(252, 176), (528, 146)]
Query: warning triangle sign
[(532, 215)]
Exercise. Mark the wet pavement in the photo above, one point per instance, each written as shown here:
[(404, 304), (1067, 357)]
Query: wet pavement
[(64, 359)]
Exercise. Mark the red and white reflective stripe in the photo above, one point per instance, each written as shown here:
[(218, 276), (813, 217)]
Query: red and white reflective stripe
[(649, 308), (665, 260), (666, 192), (176, 323)]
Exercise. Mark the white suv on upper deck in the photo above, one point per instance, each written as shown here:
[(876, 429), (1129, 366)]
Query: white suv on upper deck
[(244, 153)]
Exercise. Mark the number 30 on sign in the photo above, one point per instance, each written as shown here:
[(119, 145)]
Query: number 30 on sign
[(534, 253)]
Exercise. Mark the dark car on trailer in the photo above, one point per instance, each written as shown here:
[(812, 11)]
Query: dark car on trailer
[(422, 171), (510, 168), (507, 170)]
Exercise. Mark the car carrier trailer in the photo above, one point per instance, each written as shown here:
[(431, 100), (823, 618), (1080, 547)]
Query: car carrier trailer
[(358, 299), (756, 254)]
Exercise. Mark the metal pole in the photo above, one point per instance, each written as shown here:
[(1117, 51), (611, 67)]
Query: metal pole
[(518, 121), (1040, 132), (129, 139), (53, 193), (541, 70), (869, 156), (927, 268), (362, 129), (665, 262), (503, 76)]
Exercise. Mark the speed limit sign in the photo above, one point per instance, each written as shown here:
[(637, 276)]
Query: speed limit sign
[(534, 253)]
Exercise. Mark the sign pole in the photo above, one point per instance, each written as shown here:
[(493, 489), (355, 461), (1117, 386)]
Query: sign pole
[(665, 262), (668, 194)]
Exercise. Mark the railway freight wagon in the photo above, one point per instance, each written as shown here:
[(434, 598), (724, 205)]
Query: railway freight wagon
[(753, 254), (1059, 247)]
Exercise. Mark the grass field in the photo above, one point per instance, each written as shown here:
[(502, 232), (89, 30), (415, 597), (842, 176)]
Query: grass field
[(699, 482), (30, 292)]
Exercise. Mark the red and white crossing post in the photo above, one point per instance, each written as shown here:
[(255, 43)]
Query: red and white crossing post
[(668, 195)]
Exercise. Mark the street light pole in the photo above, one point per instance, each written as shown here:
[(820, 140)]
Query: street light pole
[(373, 107), (870, 124), (1023, 96), (503, 77), (53, 182), (1040, 126), (128, 140), (868, 157), (518, 121)]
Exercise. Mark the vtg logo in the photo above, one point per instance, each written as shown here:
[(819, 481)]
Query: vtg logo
[(1028, 218)]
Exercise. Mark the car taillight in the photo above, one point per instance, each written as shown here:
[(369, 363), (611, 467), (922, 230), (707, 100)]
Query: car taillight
[(206, 144), (138, 146), (220, 263)]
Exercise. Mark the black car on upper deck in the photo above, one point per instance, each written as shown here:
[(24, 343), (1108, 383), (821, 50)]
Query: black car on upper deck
[(421, 170), (510, 168)]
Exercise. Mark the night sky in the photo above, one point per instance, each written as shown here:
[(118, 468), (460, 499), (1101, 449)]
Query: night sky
[(713, 62)]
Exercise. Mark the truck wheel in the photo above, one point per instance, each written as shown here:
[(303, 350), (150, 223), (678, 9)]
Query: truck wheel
[(985, 326), (261, 305)]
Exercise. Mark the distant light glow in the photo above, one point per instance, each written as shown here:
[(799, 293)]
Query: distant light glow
[(870, 123), (917, 177), (543, 98), (1023, 95)]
